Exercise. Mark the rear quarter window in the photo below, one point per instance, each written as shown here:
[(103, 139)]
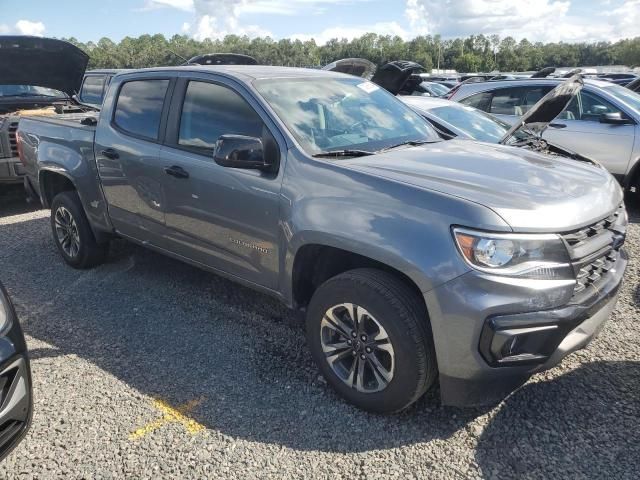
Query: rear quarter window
[(139, 107), (481, 101), (92, 89)]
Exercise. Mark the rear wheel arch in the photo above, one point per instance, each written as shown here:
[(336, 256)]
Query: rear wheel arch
[(53, 182)]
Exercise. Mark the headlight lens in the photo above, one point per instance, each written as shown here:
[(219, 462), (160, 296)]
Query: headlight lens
[(534, 256)]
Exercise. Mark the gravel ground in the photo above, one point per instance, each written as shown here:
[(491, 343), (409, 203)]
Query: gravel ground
[(149, 368)]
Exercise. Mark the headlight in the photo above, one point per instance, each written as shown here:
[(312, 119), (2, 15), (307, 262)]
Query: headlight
[(533, 256)]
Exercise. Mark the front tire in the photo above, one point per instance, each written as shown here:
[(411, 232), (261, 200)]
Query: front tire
[(72, 233), (369, 334)]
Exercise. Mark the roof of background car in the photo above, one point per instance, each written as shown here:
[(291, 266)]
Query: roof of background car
[(427, 103), (106, 71), (476, 87), (248, 73)]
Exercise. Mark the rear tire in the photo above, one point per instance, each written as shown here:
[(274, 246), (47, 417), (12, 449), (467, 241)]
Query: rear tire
[(392, 340), (72, 233)]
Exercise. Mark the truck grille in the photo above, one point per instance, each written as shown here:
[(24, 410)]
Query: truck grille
[(594, 249), (13, 144)]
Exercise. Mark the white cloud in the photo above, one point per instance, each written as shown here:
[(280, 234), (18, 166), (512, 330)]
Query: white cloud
[(24, 27), (544, 20), (351, 32)]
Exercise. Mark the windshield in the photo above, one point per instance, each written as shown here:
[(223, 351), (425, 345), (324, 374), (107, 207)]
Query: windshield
[(28, 91), (478, 125), (625, 95), (329, 114), (435, 88)]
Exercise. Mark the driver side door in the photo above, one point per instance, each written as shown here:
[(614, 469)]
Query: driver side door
[(221, 217)]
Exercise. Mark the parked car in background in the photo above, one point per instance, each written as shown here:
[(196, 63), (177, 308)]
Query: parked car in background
[(634, 86), (602, 122), (430, 89), (618, 78), (415, 259), (38, 76), (454, 120), (15, 379), (221, 59), (95, 84)]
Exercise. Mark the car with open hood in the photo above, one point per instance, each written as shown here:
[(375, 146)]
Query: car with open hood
[(39, 76), (601, 122), (455, 120), (415, 260), (16, 402)]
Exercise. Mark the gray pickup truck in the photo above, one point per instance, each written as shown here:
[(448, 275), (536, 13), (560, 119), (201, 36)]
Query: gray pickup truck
[(416, 260)]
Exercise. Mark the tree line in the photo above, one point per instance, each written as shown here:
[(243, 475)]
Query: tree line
[(476, 53)]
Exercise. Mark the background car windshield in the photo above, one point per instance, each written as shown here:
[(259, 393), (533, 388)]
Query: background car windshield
[(478, 125), (28, 90), (326, 114), (625, 95), (435, 88)]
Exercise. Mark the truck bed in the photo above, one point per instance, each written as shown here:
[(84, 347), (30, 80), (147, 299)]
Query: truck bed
[(72, 120)]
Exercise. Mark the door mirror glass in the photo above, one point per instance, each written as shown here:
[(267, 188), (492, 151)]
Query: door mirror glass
[(615, 118), (240, 151)]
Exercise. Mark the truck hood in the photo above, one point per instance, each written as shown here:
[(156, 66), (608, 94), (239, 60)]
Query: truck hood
[(358, 67), (531, 192), (548, 107), (43, 62)]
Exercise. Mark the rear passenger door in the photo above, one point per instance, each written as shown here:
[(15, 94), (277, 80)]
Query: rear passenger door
[(224, 218), (127, 150)]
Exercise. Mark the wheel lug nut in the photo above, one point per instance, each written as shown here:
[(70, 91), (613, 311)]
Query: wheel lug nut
[(368, 350), (354, 334), (349, 342), (354, 352), (362, 357), (363, 338)]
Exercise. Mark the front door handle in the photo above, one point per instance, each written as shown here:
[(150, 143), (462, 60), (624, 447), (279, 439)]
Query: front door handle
[(110, 153), (557, 125), (176, 171)]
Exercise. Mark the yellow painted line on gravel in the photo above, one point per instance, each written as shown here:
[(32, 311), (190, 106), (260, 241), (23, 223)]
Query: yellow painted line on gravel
[(171, 415)]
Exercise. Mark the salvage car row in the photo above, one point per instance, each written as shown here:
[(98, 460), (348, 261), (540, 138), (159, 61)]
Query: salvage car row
[(418, 256)]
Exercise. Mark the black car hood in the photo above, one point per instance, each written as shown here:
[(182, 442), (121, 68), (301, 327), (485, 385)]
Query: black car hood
[(42, 62), (634, 86), (547, 108), (358, 67), (395, 77), (221, 59)]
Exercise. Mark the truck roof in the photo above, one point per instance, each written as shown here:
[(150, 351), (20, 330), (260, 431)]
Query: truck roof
[(247, 73)]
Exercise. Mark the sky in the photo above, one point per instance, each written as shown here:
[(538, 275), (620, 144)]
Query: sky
[(536, 20)]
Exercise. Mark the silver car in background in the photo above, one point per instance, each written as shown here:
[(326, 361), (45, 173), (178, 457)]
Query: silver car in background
[(600, 123)]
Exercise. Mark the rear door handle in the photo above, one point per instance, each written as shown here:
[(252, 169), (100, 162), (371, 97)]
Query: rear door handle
[(110, 153), (176, 171), (557, 125)]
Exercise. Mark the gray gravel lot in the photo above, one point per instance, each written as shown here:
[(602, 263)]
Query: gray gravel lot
[(242, 398)]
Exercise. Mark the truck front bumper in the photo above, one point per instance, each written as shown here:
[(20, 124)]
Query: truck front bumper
[(491, 334)]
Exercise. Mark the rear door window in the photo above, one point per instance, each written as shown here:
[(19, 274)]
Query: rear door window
[(139, 107), (481, 101), (515, 101), (92, 89)]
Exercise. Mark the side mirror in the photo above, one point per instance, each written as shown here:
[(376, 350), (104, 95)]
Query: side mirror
[(240, 151), (615, 119)]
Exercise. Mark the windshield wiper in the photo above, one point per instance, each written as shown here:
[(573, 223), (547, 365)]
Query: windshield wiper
[(412, 143), (343, 153)]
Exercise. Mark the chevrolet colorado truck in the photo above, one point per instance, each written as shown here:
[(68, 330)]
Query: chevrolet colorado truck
[(39, 76), (416, 260)]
